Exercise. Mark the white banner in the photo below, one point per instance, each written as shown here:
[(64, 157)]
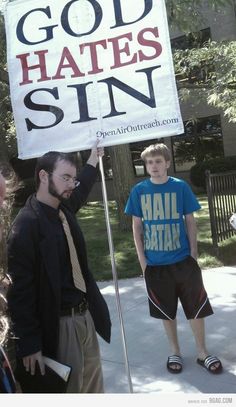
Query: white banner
[(86, 69)]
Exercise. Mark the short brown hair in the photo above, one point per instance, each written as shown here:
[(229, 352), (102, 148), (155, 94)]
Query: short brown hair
[(48, 162), (156, 149)]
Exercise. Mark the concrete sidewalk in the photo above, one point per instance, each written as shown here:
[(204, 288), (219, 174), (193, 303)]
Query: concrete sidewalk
[(147, 345)]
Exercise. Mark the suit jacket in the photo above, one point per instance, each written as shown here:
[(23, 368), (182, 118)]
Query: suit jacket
[(34, 297)]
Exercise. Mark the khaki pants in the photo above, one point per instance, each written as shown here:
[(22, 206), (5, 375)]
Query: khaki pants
[(79, 348)]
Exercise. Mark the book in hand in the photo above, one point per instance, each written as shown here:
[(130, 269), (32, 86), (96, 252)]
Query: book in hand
[(55, 379), (62, 370)]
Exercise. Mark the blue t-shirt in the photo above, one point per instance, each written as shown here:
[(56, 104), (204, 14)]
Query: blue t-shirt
[(162, 208)]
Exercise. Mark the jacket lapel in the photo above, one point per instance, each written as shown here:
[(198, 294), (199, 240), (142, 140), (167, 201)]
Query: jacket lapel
[(47, 247)]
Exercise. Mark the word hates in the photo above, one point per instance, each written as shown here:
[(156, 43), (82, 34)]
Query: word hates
[(118, 48)]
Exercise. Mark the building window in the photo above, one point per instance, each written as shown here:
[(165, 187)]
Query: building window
[(136, 150), (201, 141), (188, 72), (191, 40), (106, 162)]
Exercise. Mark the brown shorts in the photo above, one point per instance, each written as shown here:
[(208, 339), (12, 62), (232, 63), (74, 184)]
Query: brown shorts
[(168, 283)]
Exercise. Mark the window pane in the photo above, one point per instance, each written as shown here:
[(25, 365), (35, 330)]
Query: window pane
[(190, 73), (106, 162), (136, 150), (191, 40), (202, 140)]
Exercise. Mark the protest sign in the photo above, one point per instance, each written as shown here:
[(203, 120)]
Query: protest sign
[(86, 69)]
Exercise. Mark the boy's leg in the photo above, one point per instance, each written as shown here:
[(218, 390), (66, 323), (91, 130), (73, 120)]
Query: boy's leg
[(171, 332), (196, 304), (163, 302), (198, 328)]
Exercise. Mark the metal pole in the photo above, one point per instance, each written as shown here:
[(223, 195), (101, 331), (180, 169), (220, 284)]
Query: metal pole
[(113, 264)]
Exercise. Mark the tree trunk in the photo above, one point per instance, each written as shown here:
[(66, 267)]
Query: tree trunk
[(123, 180), (4, 156)]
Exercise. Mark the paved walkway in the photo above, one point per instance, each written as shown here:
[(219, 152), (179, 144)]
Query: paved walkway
[(148, 350)]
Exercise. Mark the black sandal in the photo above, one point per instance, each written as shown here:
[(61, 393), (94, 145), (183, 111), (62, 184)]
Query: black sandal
[(209, 362), (174, 360)]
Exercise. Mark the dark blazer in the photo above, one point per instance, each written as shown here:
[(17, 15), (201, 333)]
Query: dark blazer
[(33, 264)]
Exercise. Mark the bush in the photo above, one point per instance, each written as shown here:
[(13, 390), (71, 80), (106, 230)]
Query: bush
[(217, 165), (26, 188), (24, 169)]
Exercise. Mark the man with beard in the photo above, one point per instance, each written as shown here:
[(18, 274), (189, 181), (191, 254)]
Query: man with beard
[(54, 302)]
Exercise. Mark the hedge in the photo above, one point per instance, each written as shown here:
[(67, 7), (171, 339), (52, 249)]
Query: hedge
[(26, 188), (217, 165)]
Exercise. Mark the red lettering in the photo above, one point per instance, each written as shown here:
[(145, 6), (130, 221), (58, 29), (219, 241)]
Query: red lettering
[(66, 55), (26, 68), (117, 50), (148, 43), (93, 53), (124, 49)]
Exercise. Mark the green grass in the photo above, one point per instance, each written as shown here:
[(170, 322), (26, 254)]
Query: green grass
[(208, 256), (92, 221)]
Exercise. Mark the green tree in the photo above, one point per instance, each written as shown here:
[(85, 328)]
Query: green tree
[(214, 69), (184, 15), (7, 129)]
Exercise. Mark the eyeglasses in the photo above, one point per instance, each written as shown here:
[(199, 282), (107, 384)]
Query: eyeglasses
[(66, 178)]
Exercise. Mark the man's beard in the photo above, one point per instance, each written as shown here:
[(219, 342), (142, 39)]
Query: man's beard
[(53, 191)]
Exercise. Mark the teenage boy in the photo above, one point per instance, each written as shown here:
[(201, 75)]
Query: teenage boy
[(165, 237)]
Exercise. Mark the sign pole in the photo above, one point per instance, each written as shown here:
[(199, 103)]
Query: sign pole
[(113, 264)]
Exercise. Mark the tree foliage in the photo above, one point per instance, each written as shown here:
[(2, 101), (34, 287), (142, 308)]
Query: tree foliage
[(186, 15), (7, 129), (217, 85), (212, 71)]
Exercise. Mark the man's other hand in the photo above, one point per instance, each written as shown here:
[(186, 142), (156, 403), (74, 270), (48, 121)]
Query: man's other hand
[(30, 362)]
